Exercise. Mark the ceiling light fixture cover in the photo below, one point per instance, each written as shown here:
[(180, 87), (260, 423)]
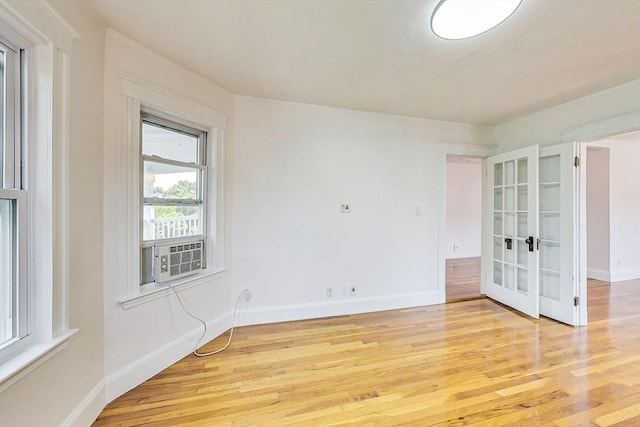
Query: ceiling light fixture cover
[(460, 19)]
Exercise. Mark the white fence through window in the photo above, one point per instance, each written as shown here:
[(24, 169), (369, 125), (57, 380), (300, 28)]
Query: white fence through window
[(165, 228)]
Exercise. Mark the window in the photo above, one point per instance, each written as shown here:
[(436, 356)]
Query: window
[(173, 189), (13, 292), (34, 79), (172, 193)]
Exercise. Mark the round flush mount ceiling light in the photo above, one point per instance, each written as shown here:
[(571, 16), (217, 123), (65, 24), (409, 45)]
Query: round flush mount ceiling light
[(460, 19)]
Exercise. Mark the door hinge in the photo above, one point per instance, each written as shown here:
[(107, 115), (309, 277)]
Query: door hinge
[(576, 301), (576, 161)]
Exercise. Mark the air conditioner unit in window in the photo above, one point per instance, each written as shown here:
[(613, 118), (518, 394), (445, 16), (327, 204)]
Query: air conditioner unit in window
[(178, 260)]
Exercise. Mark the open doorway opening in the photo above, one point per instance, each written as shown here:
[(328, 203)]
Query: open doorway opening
[(463, 227), (613, 211)]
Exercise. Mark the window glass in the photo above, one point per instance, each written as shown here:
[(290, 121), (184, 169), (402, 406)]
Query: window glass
[(173, 173), (170, 181), (171, 221), (169, 143), (2, 113), (7, 279)]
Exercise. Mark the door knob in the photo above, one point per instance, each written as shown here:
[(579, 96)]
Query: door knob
[(509, 242), (530, 242)]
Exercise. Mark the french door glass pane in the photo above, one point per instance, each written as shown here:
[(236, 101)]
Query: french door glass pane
[(509, 224), (508, 254), (497, 174), (522, 171), (550, 197), (508, 276), (497, 248), (497, 223), (549, 169), (550, 256), (523, 284), (497, 273), (522, 198), (523, 252), (497, 199), (549, 226), (509, 198), (550, 284), (509, 172), (522, 224)]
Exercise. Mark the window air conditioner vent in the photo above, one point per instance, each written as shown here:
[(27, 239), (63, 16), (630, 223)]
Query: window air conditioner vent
[(175, 261)]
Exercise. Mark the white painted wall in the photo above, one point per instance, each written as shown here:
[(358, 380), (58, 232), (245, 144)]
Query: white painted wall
[(548, 126), (294, 165), (144, 339), (598, 213), (624, 208), (72, 379), (464, 209)]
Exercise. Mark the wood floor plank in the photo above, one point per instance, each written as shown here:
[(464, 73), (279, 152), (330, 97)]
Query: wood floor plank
[(462, 278), (467, 363)]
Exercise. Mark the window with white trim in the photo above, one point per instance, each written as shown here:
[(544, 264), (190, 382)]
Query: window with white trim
[(35, 57), (13, 284), (173, 186), (164, 133)]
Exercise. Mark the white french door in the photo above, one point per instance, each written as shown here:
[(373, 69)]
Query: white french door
[(533, 250), (513, 206), (558, 233)]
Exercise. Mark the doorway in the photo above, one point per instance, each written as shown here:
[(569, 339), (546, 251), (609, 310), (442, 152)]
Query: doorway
[(463, 227), (613, 210)]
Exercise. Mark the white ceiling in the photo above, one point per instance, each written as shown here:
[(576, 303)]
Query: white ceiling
[(379, 55)]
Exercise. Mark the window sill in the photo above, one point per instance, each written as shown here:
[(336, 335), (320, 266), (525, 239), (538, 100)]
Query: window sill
[(153, 292), (23, 364)]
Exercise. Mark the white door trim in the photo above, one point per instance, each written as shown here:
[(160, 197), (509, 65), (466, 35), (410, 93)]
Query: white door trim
[(460, 149), (583, 134)]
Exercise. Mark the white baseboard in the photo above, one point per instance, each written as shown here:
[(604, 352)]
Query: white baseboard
[(617, 276), (593, 273), (612, 276), (146, 367), (88, 410), (339, 307)]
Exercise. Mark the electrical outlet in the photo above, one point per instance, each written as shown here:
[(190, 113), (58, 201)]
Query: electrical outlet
[(352, 291), (345, 208), (329, 292)]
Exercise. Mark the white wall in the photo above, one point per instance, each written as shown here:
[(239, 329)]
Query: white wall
[(598, 213), (464, 209), (624, 208), (294, 165), (146, 338), (548, 126), (67, 387)]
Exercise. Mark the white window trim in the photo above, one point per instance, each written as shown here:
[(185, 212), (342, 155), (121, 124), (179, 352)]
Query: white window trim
[(140, 96), (47, 40)]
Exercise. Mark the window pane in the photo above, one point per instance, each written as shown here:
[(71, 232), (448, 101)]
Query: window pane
[(166, 221), (171, 182), (7, 270), (2, 115), (169, 144)]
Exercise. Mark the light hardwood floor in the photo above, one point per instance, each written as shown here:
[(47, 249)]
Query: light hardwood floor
[(473, 362), (462, 278)]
